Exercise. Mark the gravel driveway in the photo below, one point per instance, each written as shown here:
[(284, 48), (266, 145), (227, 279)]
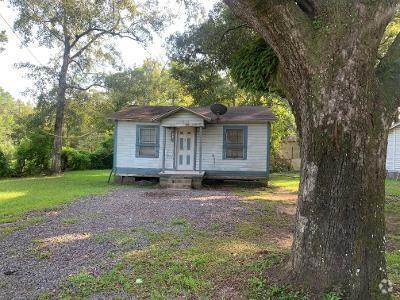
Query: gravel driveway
[(35, 260)]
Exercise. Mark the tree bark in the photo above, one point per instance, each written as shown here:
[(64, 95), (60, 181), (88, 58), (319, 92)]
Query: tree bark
[(59, 121), (343, 118)]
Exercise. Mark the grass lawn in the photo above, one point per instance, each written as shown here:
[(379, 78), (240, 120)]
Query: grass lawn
[(184, 261), (23, 195)]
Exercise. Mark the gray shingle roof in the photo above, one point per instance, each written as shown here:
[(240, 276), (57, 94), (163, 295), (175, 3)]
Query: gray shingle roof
[(237, 114)]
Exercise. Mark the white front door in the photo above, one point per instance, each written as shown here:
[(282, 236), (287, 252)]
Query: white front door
[(185, 148)]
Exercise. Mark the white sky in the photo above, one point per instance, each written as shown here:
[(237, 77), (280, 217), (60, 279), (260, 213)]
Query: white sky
[(14, 81)]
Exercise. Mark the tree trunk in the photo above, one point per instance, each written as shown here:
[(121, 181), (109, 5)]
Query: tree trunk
[(343, 113), (59, 121), (339, 235)]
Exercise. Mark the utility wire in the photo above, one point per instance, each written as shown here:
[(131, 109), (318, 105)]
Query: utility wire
[(21, 40)]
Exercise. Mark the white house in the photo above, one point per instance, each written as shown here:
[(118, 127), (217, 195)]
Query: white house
[(183, 145), (393, 152)]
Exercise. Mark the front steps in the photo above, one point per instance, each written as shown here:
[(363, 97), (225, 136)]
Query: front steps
[(181, 180)]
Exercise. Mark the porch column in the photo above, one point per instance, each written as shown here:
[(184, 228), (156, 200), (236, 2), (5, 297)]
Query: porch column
[(200, 148), (164, 143)]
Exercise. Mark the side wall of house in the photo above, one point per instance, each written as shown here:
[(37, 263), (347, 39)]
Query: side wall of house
[(393, 151), (126, 162), (257, 152)]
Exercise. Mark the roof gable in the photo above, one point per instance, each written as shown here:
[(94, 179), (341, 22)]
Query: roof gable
[(178, 109)]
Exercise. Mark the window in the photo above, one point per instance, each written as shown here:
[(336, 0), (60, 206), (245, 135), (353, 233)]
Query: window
[(147, 141), (235, 142)]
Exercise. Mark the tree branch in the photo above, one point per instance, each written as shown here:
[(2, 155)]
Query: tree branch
[(234, 28), (77, 87)]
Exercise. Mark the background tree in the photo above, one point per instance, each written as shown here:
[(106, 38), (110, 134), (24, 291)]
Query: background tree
[(224, 60), (81, 32), (344, 104), (149, 84), (3, 40)]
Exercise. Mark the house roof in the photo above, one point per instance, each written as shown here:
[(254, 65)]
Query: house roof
[(237, 114)]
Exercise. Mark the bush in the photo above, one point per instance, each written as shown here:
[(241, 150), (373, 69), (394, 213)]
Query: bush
[(279, 164), (4, 168), (72, 159), (102, 158), (33, 155)]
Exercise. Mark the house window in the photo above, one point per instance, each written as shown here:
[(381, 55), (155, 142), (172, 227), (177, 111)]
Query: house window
[(147, 141), (235, 142)]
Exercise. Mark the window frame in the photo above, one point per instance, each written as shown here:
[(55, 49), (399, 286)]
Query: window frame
[(156, 145), (226, 145)]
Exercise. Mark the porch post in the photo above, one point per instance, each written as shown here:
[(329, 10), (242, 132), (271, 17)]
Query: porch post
[(200, 148), (164, 143)]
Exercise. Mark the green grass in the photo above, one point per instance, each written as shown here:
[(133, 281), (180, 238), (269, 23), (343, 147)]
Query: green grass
[(24, 195), (287, 181)]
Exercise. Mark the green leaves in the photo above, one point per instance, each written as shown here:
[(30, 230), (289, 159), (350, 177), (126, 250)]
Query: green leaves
[(254, 66)]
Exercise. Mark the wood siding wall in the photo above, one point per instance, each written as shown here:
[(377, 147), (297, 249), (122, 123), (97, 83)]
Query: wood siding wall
[(393, 151), (213, 150), (212, 158), (182, 118)]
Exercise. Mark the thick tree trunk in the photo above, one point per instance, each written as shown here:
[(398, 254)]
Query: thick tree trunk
[(343, 115), (59, 121), (339, 236)]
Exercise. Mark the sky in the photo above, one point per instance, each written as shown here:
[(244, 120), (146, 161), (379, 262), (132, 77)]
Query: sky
[(14, 81)]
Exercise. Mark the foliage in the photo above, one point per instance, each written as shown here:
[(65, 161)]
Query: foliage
[(254, 66), (85, 33), (3, 40), (102, 158), (33, 154), (72, 159), (4, 166), (149, 84), (201, 56), (23, 195), (13, 115)]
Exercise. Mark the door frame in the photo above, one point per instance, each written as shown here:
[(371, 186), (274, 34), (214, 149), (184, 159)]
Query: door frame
[(193, 147)]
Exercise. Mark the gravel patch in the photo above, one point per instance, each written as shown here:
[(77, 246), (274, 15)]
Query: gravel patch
[(38, 258)]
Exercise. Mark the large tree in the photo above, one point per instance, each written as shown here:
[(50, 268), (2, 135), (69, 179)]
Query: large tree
[(344, 100), (81, 32)]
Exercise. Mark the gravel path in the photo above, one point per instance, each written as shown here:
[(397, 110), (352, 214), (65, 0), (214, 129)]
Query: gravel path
[(37, 259)]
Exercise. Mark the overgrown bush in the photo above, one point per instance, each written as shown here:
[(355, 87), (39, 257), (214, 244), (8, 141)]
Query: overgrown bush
[(33, 155), (102, 158), (72, 159), (4, 167), (279, 164)]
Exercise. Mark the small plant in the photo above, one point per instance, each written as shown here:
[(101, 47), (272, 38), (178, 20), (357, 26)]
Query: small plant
[(70, 221), (332, 296), (179, 221)]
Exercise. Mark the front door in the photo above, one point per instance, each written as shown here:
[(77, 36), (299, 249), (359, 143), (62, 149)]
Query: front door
[(185, 148)]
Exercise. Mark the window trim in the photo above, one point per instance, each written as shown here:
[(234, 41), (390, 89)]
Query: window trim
[(156, 144), (225, 146)]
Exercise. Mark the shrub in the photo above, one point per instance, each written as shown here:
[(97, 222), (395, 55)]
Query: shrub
[(102, 158), (33, 155), (72, 159), (279, 164), (4, 168)]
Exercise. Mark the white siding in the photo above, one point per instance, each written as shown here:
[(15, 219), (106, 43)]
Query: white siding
[(213, 150), (169, 148), (126, 147), (393, 151), (181, 119)]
